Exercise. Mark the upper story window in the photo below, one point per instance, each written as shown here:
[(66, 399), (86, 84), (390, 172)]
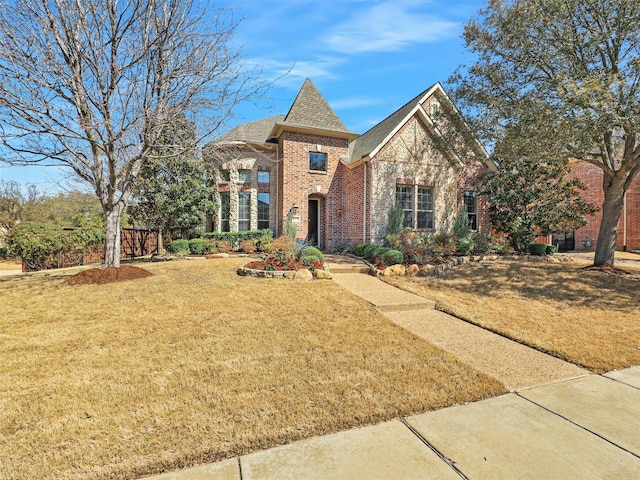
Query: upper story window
[(317, 161), (244, 176), (225, 174), (471, 207), (264, 176)]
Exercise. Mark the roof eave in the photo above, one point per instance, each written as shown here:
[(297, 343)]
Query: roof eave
[(278, 128)]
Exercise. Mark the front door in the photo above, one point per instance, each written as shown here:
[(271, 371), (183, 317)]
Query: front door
[(312, 224)]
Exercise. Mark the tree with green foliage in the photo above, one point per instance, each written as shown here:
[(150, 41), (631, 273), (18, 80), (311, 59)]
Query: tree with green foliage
[(92, 85), (528, 198), (173, 193), (566, 74)]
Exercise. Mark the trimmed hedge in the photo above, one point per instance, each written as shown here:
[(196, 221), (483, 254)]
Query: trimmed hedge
[(359, 250), (197, 246), (178, 246), (236, 238), (310, 250), (393, 257), (551, 249), (537, 249), (370, 251)]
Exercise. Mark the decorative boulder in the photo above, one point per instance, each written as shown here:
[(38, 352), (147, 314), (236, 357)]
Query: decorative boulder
[(304, 275), (322, 275), (394, 271), (413, 270)]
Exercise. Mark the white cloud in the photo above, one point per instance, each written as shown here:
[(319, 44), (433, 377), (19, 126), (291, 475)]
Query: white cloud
[(291, 74), (390, 26)]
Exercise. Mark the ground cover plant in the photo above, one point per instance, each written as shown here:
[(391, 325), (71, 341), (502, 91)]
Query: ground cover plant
[(194, 364), (587, 317)]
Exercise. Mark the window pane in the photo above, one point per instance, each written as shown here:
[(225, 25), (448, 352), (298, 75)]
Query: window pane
[(263, 176), (471, 207), (404, 196), (263, 210), (224, 211), (244, 211), (225, 175), (425, 207), (244, 176), (318, 161)]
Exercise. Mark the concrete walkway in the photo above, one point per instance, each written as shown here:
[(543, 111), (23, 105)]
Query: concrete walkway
[(558, 421)]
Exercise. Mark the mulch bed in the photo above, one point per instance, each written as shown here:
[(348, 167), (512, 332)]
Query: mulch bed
[(100, 276)]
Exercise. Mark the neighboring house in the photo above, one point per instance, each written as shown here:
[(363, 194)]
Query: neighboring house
[(339, 186), (629, 226)]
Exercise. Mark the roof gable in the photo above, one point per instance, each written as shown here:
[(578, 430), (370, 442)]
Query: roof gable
[(311, 111), (371, 142)]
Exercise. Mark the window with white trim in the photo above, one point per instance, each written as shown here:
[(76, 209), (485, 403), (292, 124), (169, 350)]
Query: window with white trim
[(225, 207), (244, 211), (404, 197), (417, 204), (263, 210), (471, 207)]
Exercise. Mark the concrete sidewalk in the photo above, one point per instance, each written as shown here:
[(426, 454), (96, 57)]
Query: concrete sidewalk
[(584, 428), (558, 422)]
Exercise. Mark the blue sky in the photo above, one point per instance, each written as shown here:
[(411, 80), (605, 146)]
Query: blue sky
[(367, 57)]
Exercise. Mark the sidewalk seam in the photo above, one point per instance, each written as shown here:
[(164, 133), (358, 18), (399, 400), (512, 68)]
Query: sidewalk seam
[(441, 455), (582, 427)]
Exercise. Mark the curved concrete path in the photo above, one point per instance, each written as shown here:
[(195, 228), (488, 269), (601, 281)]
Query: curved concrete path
[(558, 422)]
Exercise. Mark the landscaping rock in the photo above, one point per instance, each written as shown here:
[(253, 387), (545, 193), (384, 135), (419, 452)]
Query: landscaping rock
[(394, 271), (413, 270), (322, 275), (303, 275)]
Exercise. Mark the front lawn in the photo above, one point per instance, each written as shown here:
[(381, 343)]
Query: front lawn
[(587, 317), (196, 364)]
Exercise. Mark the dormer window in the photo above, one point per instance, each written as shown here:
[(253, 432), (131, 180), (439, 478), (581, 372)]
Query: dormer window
[(317, 161)]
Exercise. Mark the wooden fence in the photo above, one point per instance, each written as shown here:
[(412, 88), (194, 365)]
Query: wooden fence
[(134, 243)]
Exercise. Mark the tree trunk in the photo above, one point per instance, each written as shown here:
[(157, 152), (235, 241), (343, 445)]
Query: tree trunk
[(611, 211), (112, 238), (160, 243)]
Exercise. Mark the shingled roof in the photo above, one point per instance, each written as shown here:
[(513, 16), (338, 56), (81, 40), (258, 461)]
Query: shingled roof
[(257, 132), (366, 143), (310, 111)]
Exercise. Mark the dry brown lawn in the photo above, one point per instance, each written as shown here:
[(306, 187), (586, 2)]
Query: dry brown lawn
[(195, 364), (587, 317)]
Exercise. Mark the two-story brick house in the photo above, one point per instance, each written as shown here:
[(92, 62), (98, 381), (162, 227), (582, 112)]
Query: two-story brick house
[(339, 186)]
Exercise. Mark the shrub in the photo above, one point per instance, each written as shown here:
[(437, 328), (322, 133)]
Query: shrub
[(3, 253), (235, 238), (210, 245), (224, 247), (248, 246), (310, 250), (282, 244), (461, 226), (483, 243), (178, 246), (392, 257), (312, 262), (263, 243), (369, 251), (465, 246), (551, 249), (359, 250), (395, 222), (537, 248), (197, 246)]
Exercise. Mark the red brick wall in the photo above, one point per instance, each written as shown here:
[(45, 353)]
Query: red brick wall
[(349, 215), (591, 176), (297, 183)]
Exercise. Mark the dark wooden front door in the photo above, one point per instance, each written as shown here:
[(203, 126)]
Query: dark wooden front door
[(312, 224)]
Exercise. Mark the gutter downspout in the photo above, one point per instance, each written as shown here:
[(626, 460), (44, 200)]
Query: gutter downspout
[(364, 207), (624, 223)]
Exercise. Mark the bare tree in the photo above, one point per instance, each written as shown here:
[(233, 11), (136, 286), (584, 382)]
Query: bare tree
[(93, 85)]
